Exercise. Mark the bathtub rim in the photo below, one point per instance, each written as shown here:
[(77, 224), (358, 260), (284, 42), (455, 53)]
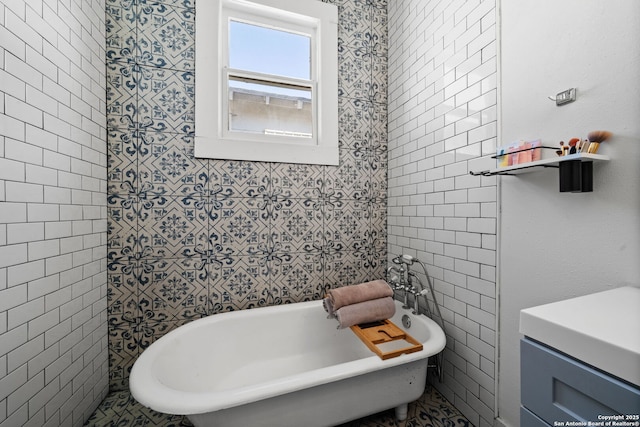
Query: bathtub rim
[(148, 390)]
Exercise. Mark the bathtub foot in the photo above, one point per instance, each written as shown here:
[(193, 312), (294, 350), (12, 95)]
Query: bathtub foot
[(401, 412)]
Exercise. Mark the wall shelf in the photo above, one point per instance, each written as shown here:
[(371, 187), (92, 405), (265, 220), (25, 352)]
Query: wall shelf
[(575, 170)]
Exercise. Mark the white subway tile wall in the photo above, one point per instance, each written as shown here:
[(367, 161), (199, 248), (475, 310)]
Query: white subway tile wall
[(53, 282), (442, 124)]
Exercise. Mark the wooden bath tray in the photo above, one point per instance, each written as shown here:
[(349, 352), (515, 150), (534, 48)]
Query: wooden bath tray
[(382, 335)]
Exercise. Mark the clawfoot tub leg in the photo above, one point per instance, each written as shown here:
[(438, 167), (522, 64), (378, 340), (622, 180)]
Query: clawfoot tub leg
[(401, 412)]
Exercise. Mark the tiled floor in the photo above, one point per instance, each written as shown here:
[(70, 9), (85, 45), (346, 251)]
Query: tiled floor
[(432, 410)]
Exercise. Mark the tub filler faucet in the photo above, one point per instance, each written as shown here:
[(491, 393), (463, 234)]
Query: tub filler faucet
[(401, 278), (397, 278)]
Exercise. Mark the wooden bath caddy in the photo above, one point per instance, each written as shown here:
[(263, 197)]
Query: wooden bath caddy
[(376, 334)]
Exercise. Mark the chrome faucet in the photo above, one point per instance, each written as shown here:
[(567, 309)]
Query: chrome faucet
[(396, 278), (400, 277)]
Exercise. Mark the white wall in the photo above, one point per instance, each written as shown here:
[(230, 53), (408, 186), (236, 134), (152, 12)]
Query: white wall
[(53, 302), (555, 245), (442, 121)]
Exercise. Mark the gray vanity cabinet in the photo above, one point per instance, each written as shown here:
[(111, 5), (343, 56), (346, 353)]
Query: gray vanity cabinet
[(558, 390)]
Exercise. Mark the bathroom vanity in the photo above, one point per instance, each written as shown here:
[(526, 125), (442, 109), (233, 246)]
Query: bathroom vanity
[(580, 361)]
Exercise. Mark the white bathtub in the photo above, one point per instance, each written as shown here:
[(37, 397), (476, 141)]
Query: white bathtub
[(279, 366)]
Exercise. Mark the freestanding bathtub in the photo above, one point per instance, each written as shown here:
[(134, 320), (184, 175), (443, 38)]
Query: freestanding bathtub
[(281, 366)]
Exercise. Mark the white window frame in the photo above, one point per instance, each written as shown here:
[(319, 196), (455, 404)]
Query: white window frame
[(212, 138)]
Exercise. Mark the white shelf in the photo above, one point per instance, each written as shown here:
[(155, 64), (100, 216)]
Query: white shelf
[(550, 162)]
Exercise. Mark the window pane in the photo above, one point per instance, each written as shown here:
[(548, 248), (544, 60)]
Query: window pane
[(268, 108), (269, 51)]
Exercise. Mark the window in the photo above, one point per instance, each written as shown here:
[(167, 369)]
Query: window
[(267, 81)]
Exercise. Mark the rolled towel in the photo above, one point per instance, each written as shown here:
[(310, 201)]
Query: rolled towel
[(347, 295), (328, 307), (367, 311)]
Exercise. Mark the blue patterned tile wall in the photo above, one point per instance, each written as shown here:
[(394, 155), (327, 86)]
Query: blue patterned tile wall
[(192, 237)]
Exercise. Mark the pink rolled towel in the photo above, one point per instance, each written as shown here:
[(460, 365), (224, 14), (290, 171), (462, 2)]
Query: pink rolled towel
[(347, 295), (367, 311)]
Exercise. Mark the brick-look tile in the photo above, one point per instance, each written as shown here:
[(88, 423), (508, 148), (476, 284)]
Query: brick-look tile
[(455, 99), (51, 142)]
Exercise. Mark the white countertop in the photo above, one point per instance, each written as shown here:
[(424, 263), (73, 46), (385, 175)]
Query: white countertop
[(601, 329)]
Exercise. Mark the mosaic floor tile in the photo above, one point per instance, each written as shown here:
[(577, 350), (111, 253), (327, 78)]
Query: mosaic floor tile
[(121, 409)]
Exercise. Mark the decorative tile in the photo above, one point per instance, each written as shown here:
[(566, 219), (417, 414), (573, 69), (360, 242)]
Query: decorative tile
[(123, 352), (371, 249), (166, 100), (297, 280), (189, 237), (347, 222), (172, 3), (295, 180), (371, 150), (110, 409), (241, 284), (166, 35), (167, 161), (211, 259), (354, 72), (352, 123), (138, 416), (122, 97), (122, 224), (120, 25), (373, 194), (240, 178), (347, 179), (150, 196), (297, 224), (345, 269), (176, 291), (352, 19), (174, 229), (269, 255), (120, 409), (122, 168), (240, 224), (122, 297)]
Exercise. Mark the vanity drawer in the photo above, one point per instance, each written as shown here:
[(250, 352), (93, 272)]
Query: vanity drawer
[(558, 388)]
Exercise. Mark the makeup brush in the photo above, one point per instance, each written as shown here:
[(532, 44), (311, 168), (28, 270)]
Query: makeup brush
[(595, 138), (572, 145)]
